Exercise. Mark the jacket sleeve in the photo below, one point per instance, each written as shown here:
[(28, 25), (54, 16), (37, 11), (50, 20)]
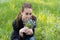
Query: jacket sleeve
[(14, 25), (15, 34)]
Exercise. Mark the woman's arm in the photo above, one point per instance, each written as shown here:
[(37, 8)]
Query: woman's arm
[(15, 28), (15, 34)]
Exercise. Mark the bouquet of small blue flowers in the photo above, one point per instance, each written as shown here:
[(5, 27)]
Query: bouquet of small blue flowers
[(29, 23)]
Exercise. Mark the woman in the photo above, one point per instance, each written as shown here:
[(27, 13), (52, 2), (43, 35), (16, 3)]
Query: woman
[(20, 31)]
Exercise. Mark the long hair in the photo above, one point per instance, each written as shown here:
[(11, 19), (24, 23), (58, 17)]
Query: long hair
[(25, 5)]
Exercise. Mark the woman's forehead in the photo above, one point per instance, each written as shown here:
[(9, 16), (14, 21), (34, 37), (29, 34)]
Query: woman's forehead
[(28, 10)]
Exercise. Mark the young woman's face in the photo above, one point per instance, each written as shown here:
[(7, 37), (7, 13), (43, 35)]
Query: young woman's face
[(27, 13)]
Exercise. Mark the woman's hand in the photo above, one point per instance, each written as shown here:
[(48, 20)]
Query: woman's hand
[(21, 31), (29, 32), (25, 30)]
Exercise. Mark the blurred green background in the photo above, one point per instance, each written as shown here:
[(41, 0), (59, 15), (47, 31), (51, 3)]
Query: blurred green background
[(46, 11)]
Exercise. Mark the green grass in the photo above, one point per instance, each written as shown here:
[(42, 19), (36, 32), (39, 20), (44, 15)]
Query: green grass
[(46, 11)]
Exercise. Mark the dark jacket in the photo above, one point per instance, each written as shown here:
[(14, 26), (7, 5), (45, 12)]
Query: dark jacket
[(15, 34)]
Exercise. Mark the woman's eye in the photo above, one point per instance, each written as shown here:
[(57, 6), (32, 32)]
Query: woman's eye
[(26, 13), (30, 13)]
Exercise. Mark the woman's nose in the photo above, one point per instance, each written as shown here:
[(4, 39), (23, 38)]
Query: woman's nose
[(29, 16)]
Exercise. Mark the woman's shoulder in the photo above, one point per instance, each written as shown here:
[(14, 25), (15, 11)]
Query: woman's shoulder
[(14, 22), (33, 17)]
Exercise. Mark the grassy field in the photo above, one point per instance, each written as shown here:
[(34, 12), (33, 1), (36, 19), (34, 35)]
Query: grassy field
[(46, 11)]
